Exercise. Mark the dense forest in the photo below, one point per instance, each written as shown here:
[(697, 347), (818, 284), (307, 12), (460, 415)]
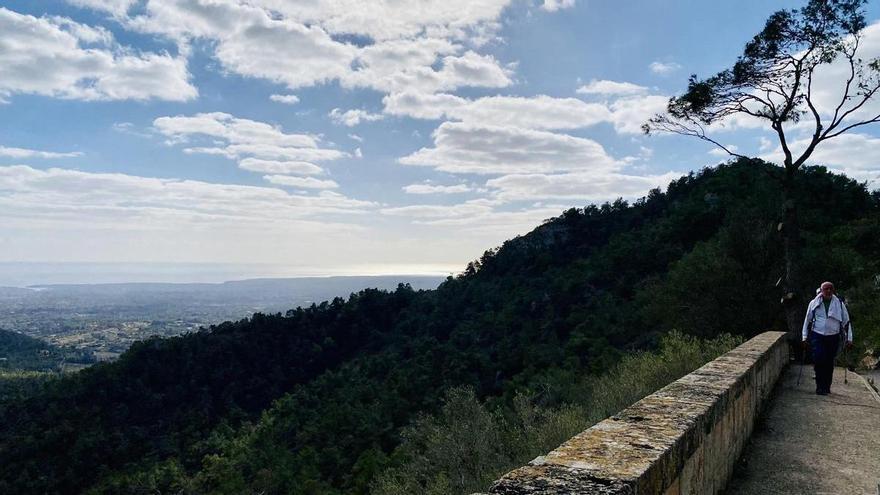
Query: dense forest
[(23, 353), (537, 338)]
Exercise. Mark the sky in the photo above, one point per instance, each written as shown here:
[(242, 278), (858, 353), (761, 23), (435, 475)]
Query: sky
[(352, 136)]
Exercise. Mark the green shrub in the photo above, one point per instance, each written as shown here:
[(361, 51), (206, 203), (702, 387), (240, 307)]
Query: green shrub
[(467, 444)]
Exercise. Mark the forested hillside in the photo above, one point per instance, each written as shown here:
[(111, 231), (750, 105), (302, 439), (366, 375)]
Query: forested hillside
[(331, 399), (20, 352)]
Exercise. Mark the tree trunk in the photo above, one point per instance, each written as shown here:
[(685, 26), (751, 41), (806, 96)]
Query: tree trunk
[(793, 298)]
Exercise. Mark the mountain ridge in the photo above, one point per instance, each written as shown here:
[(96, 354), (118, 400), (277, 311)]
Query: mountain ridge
[(345, 376)]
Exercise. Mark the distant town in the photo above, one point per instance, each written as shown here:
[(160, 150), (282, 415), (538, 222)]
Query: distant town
[(101, 321)]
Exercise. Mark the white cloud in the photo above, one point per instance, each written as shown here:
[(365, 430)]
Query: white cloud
[(279, 167), (629, 113), (436, 189), (664, 68), (130, 128), (584, 186), (721, 153), (353, 117), (303, 182), (287, 99), (483, 149), (21, 153), (411, 65), (856, 155), (644, 154), (297, 43), (476, 217), (132, 202), (605, 87), (422, 105), (829, 82), (828, 85), (537, 112), (554, 5), (230, 128), (380, 20), (356, 138), (77, 61), (242, 139), (468, 209), (626, 113), (118, 8)]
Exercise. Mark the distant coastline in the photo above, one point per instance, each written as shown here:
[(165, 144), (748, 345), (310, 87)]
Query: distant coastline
[(37, 275)]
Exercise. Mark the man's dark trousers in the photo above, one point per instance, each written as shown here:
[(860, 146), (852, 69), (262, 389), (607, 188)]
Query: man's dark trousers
[(824, 352)]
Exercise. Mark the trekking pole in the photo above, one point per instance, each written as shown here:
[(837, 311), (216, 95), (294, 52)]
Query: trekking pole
[(845, 364), (803, 356)]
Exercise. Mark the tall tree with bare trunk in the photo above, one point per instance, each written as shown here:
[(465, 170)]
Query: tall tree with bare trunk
[(772, 82)]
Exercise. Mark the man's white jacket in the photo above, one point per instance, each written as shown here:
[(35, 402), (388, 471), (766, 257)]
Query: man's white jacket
[(830, 324)]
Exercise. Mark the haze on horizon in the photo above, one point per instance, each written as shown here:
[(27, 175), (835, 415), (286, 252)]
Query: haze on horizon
[(349, 137)]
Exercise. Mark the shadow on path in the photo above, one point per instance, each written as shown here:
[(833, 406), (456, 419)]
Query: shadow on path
[(812, 444)]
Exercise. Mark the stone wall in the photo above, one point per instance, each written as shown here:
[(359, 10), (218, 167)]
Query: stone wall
[(682, 439)]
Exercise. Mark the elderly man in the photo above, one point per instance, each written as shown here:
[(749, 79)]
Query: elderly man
[(826, 317)]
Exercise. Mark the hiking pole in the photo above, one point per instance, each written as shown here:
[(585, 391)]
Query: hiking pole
[(803, 356), (845, 363)]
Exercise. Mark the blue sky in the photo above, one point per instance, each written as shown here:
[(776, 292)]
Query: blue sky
[(347, 137)]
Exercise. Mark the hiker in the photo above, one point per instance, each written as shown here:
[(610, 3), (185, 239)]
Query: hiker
[(826, 317)]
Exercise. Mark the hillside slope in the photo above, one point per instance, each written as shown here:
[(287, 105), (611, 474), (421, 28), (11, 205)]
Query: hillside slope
[(345, 376), (20, 352)]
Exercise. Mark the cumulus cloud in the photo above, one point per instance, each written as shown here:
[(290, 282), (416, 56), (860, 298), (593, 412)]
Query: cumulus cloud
[(117, 8), (626, 112), (827, 91), (422, 105), (436, 189), (606, 87), (279, 167), (721, 153), (21, 153), (663, 68), (303, 182), (235, 130), (287, 99), (537, 112), (77, 61), (829, 84), (583, 186), (478, 217), (353, 117), (126, 201), (856, 155), (379, 20), (554, 5), (468, 209), (629, 113), (461, 147), (412, 48), (410, 64), (257, 145)]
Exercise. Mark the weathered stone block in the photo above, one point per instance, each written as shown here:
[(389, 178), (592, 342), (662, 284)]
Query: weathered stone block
[(682, 439)]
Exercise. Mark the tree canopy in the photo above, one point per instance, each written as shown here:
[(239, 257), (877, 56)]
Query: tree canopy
[(773, 81), (317, 400)]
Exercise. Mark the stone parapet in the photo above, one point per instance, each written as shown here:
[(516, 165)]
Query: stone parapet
[(683, 439)]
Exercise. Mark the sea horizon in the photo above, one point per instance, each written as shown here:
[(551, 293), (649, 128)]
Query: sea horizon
[(24, 274)]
